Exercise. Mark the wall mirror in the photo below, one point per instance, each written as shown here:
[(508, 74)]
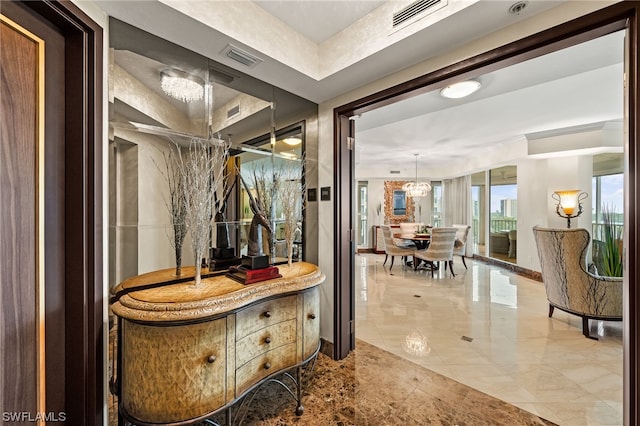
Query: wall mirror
[(146, 116), (398, 207)]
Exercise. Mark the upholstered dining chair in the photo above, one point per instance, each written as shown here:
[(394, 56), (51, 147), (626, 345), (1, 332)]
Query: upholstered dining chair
[(391, 249), (460, 244), (440, 249), (569, 286), (410, 227)]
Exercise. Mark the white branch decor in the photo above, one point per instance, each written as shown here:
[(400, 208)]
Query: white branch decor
[(176, 205), (291, 192), (201, 167)]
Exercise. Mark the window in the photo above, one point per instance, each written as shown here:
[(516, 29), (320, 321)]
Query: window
[(363, 200), (607, 190), (436, 206), (479, 212), (504, 213)]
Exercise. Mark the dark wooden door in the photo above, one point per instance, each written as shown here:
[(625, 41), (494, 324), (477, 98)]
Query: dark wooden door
[(21, 240), (50, 203)]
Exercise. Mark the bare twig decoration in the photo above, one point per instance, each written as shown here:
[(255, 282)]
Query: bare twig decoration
[(291, 197), (176, 205), (201, 167), (266, 186), (259, 221)]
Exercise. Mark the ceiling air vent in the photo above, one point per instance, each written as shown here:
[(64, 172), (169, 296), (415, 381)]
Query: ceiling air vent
[(413, 10), (233, 111), (394, 172), (239, 55)]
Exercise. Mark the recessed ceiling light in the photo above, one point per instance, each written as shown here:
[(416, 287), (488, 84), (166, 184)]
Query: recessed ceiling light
[(518, 7), (460, 90), (292, 141)]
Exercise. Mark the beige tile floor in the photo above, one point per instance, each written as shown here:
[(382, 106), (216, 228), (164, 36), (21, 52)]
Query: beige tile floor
[(488, 328)]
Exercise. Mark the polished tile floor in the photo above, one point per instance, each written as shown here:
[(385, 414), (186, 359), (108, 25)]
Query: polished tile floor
[(488, 328)]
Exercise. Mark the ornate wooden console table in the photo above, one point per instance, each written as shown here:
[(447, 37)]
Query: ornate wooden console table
[(187, 353)]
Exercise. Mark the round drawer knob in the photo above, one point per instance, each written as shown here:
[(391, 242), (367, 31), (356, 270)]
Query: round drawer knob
[(312, 316), (267, 340), (211, 359), (267, 314), (267, 365)]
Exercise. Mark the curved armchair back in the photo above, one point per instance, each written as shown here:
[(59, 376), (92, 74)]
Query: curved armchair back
[(569, 286), (462, 232), (410, 227), (441, 245)]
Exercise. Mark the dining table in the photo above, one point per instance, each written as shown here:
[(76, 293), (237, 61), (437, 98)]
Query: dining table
[(421, 240)]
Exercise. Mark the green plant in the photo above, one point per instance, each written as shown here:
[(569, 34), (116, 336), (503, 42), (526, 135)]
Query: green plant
[(611, 264)]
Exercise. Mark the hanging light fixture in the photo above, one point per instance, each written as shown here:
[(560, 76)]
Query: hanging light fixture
[(181, 85), (416, 189)]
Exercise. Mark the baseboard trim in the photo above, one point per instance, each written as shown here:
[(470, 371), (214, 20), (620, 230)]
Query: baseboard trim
[(326, 348), (528, 273)]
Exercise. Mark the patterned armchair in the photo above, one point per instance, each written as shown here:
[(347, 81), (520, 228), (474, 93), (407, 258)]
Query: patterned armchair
[(440, 249), (391, 249), (569, 286), (460, 246)]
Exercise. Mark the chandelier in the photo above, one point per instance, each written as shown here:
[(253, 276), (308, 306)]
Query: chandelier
[(416, 189), (181, 85)]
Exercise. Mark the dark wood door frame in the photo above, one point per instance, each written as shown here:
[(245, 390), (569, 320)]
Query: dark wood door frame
[(620, 16), (343, 269), (79, 285)]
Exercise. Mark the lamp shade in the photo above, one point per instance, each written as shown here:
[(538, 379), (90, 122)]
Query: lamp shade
[(568, 200)]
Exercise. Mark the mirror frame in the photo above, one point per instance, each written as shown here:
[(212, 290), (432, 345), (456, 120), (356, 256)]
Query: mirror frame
[(389, 187)]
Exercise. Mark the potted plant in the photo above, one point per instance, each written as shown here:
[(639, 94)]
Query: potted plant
[(609, 262)]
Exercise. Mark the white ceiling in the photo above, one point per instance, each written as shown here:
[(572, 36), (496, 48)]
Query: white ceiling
[(572, 88), (569, 88), (318, 20)]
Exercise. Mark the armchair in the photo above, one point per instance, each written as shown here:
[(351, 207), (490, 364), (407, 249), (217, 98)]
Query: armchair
[(391, 249), (410, 227), (569, 286), (440, 249), (460, 245)]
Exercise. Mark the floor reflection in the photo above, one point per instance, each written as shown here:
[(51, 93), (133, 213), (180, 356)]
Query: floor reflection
[(488, 328)]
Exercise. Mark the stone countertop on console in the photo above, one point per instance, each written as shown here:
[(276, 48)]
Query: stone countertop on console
[(215, 295)]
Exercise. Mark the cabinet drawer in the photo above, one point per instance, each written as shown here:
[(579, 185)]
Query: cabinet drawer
[(173, 373), (254, 318), (264, 340), (311, 322), (262, 366)]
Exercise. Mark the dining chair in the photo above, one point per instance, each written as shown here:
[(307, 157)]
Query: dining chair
[(440, 249), (460, 245), (410, 227), (391, 249)]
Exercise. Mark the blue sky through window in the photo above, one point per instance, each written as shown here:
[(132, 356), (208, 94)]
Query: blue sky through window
[(502, 192)]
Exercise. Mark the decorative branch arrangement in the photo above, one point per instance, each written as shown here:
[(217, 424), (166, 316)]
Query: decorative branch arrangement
[(266, 186), (291, 197), (176, 205), (201, 167)]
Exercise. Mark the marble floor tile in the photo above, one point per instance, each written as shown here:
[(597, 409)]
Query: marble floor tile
[(488, 328), (373, 387), (477, 349)]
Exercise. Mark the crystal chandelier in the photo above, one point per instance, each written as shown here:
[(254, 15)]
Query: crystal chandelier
[(416, 189), (181, 85)]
